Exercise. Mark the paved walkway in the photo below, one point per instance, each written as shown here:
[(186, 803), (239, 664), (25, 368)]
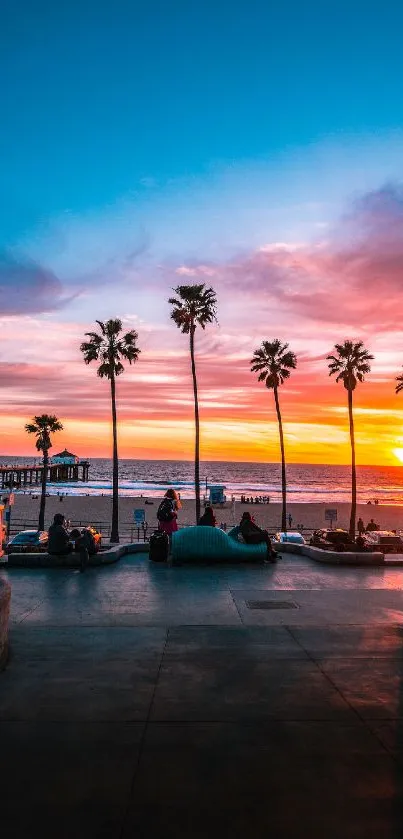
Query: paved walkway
[(144, 701)]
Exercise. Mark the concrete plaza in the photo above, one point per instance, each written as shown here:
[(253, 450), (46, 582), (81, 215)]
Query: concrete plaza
[(147, 701)]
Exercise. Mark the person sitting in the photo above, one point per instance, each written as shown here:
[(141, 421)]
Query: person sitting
[(360, 543), (59, 537), (252, 534), (208, 518), (371, 526)]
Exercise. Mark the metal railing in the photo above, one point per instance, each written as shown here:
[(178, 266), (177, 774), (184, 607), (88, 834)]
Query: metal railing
[(127, 531)]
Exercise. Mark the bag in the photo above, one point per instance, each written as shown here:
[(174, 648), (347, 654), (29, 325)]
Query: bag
[(159, 546), (165, 510)]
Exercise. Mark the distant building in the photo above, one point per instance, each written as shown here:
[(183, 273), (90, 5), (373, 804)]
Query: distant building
[(65, 458)]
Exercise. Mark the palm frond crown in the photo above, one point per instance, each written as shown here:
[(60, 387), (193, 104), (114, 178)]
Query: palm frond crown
[(108, 347), (43, 426), (273, 361), (350, 363), (399, 386), (194, 305)]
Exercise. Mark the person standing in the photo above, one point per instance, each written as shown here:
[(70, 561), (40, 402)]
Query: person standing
[(289, 520), (167, 513), (81, 545), (360, 526)]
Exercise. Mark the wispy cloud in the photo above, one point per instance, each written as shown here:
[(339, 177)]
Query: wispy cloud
[(27, 287)]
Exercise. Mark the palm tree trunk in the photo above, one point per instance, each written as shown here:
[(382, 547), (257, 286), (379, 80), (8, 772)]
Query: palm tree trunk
[(353, 471), (41, 521), (197, 426), (115, 468), (283, 475)]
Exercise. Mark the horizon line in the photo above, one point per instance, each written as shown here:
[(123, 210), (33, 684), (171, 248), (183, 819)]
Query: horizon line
[(191, 460)]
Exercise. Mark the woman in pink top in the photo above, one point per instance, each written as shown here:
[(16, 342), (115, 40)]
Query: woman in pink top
[(167, 513)]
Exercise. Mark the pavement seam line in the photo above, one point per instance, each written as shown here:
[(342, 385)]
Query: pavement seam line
[(236, 606), (344, 698), (38, 605), (142, 739)]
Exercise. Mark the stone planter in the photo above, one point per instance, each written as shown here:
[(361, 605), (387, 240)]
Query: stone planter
[(5, 597)]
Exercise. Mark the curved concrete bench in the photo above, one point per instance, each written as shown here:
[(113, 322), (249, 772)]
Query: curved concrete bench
[(211, 544), (5, 597), (45, 560), (343, 557), (333, 557)]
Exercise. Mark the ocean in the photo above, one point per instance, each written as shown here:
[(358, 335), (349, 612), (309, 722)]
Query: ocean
[(306, 483)]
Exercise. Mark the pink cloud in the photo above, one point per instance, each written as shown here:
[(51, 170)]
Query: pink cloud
[(353, 278)]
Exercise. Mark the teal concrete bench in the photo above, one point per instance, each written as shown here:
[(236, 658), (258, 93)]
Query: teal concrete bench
[(211, 544)]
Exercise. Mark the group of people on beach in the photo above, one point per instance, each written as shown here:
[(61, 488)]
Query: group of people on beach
[(249, 531), (371, 526), (259, 499)]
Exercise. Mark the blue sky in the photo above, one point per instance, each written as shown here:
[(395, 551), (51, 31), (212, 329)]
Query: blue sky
[(253, 145), (105, 101)]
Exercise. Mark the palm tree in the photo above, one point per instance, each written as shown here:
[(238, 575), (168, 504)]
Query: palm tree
[(350, 363), (399, 387), (194, 305), (108, 346), (43, 426), (274, 361)]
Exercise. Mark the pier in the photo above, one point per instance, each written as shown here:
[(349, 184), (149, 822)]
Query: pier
[(57, 473)]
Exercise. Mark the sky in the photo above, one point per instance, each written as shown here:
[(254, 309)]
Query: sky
[(253, 146)]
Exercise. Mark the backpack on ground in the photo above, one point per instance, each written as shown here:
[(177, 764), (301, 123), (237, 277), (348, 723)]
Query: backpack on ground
[(159, 546)]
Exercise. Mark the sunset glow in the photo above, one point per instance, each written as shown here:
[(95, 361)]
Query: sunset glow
[(299, 230)]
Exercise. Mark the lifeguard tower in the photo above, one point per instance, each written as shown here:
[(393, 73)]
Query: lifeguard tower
[(216, 495)]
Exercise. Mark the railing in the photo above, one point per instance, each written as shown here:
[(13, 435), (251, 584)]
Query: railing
[(127, 531)]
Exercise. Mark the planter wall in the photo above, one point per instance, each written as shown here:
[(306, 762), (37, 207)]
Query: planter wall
[(5, 597), (44, 560)]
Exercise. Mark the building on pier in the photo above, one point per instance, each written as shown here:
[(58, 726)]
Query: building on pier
[(64, 458)]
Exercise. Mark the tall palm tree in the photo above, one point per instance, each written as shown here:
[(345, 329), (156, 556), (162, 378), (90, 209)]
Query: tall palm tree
[(43, 426), (194, 305), (108, 347), (274, 361), (351, 363)]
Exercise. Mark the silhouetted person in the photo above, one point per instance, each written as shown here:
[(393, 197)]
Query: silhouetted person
[(59, 537), (208, 518), (84, 546), (360, 526), (371, 526), (254, 535)]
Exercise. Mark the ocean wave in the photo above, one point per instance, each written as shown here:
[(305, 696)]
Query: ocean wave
[(306, 483)]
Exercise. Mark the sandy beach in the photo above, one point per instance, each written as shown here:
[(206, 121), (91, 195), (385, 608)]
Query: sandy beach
[(97, 509)]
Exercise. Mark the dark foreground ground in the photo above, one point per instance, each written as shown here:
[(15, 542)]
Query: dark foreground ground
[(143, 701)]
